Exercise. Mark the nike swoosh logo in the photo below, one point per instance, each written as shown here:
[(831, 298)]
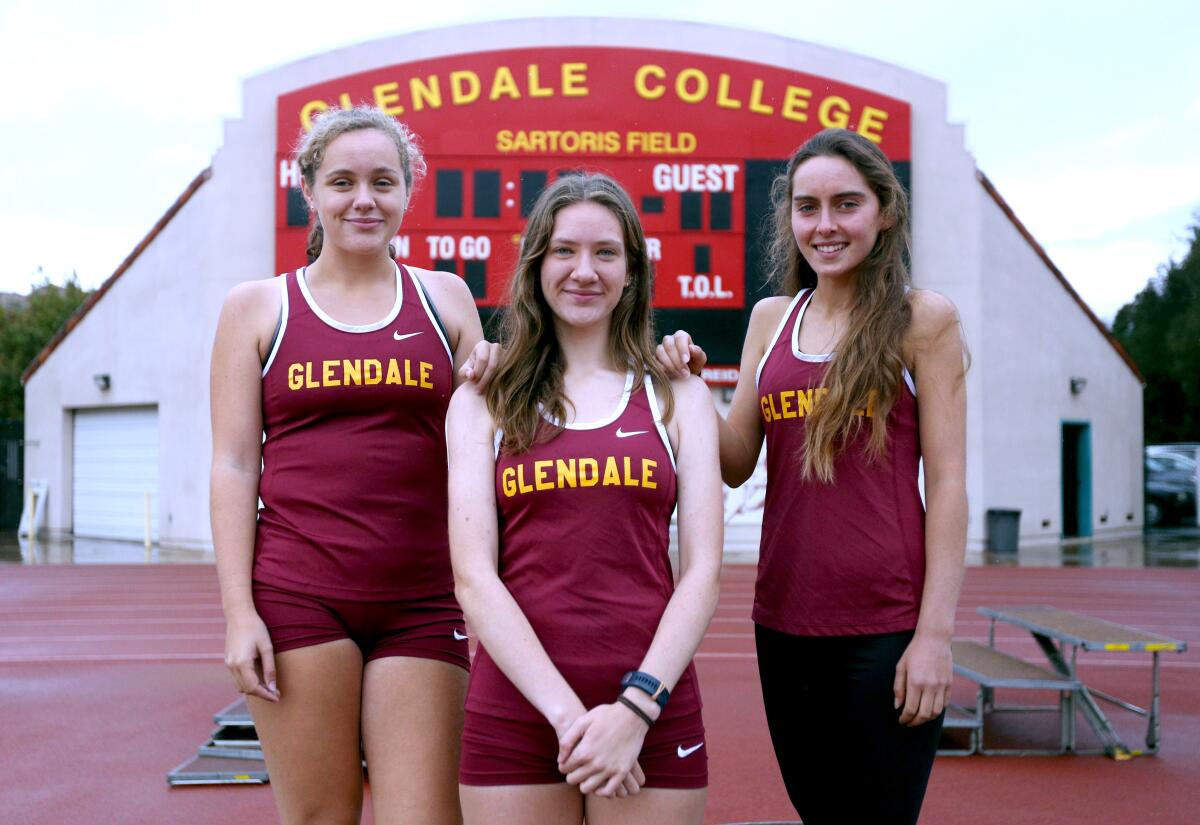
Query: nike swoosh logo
[(458, 637), (683, 752), (400, 337), (622, 434)]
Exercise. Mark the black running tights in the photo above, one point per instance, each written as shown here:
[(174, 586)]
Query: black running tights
[(844, 756)]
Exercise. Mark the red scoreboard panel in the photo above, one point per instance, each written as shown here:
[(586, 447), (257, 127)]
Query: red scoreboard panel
[(695, 139)]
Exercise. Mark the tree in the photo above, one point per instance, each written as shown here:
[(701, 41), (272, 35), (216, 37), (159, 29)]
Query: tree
[(1160, 329), (25, 330)]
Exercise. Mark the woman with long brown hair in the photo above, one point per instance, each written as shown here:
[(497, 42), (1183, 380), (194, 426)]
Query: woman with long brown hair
[(858, 581), (563, 478)]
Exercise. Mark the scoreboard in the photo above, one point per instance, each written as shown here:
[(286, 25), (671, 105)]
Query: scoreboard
[(695, 139)]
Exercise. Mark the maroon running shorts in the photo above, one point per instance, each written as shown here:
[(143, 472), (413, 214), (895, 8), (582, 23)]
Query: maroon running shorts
[(503, 751), (427, 628)]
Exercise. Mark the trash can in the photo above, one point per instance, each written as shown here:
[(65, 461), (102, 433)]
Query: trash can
[(1003, 528)]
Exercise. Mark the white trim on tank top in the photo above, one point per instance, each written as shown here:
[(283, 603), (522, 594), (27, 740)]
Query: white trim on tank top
[(774, 338), (825, 356), (429, 312), (498, 438), (358, 328), (652, 399), (603, 422), (283, 316), (805, 356)]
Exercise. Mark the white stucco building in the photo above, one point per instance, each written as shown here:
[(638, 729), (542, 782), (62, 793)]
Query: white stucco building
[(117, 405)]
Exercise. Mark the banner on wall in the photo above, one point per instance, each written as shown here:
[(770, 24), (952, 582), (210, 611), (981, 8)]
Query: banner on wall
[(695, 139)]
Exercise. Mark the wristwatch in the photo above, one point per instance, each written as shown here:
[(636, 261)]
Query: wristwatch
[(645, 682)]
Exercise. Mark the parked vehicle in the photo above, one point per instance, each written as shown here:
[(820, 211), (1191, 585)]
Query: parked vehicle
[(1187, 449), (1171, 481)]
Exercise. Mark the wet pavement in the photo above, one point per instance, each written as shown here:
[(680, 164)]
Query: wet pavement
[(1165, 547), (71, 550), (1162, 547), (111, 676)]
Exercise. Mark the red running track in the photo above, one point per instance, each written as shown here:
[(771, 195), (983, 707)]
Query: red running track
[(109, 676)]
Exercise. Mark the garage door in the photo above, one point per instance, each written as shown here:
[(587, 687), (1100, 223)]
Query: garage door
[(115, 466)]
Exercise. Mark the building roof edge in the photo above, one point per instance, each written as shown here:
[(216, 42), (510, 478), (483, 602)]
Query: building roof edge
[(990, 188), (95, 297)]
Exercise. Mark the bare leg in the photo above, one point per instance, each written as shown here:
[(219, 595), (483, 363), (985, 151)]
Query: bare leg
[(311, 737), (557, 804), (650, 806), (412, 723)]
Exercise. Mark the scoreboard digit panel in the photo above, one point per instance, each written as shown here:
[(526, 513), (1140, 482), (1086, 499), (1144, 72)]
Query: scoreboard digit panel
[(694, 139)]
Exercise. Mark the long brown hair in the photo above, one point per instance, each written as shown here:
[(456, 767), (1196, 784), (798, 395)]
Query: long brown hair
[(866, 372), (528, 385)]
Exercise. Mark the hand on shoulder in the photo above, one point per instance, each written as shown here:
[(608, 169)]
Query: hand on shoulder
[(679, 355)]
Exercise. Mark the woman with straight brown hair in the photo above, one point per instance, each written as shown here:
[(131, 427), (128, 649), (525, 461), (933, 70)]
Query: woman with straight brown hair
[(858, 581), (563, 478)]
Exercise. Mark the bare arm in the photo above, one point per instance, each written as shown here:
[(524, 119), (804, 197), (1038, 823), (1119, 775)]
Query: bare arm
[(247, 319), (741, 433), (701, 537), (456, 307), (937, 353), (490, 609), (604, 741)]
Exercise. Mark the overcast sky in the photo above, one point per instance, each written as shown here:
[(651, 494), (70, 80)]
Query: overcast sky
[(1085, 115)]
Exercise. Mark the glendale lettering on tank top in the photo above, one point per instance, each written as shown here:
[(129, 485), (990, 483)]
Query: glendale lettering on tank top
[(584, 526), (846, 558), (353, 488)]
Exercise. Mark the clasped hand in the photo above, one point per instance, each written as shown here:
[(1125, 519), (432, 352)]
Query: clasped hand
[(599, 751)]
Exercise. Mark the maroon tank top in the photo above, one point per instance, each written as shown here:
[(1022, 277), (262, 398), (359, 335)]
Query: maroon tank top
[(845, 558), (353, 486), (584, 525)]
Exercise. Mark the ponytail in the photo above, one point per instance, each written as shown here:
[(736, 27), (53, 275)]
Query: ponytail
[(316, 239)]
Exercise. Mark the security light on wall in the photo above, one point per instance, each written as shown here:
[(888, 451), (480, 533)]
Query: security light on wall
[(1077, 384), (102, 380)]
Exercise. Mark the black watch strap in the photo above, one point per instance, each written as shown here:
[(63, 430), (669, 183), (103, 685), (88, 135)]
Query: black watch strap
[(645, 682)]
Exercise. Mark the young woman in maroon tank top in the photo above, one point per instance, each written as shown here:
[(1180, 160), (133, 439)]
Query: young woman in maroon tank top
[(858, 583), (342, 627), (562, 482)]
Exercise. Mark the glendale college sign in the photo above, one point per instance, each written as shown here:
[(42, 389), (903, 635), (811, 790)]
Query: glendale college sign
[(695, 139)]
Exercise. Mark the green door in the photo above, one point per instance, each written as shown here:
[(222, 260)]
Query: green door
[(1076, 479)]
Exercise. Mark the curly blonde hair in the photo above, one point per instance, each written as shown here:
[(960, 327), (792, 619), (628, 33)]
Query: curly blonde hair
[(332, 124)]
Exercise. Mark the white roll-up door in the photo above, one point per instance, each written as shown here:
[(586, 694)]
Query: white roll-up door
[(115, 467)]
